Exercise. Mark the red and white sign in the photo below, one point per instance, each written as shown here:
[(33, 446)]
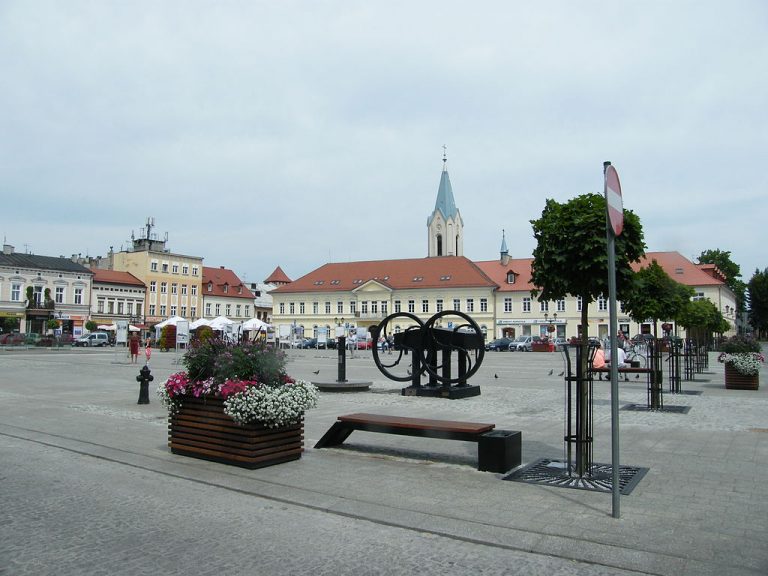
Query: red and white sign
[(614, 200)]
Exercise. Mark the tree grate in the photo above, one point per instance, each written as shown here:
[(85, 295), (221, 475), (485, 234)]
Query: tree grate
[(644, 408), (558, 474)]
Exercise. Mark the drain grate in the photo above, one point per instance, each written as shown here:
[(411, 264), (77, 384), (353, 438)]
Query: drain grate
[(599, 479), (644, 408)]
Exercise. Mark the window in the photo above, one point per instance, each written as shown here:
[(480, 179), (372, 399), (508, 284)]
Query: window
[(100, 306), (544, 306), (282, 307), (578, 303), (425, 306), (183, 289), (226, 288), (165, 267), (228, 310), (352, 307), (184, 311), (174, 288), (237, 310), (207, 308), (15, 292), (193, 311), (151, 309), (218, 309), (163, 287), (384, 306), (397, 306), (247, 311), (374, 307), (364, 307), (439, 305), (153, 286), (327, 307), (339, 307), (175, 268), (315, 307), (301, 307), (483, 304), (153, 266), (129, 308), (210, 286), (411, 306), (78, 295), (526, 304), (602, 303), (120, 305), (162, 310), (185, 269), (173, 310), (457, 304), (194, 270), (511, 277), (507, 304), (470, 305), (561, 305), (292, 308), (193, 288), (698, 296), (138, 308), (59, 294), (110, 307)]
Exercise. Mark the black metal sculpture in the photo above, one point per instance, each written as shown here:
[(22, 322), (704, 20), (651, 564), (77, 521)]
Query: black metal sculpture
[(448, 356)]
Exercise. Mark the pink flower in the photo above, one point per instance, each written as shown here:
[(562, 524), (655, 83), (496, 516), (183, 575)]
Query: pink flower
[(177, 384), (231, 387)]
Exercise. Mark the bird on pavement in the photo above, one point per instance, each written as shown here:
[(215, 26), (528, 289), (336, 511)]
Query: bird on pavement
[(561, 373), (316, 372), (495, 375), (551, 372), (638, 376)]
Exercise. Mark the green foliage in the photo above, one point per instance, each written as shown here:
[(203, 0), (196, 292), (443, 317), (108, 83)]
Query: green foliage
[(52, 324), (731, 270), (704, 315), (217, 359), (571, 257), (204, 333), (91, 325), (740, 345), (656, 296), (167, 337), (758, 301), (30, 297)]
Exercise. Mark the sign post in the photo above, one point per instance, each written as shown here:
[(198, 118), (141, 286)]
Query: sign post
[(614, 227)]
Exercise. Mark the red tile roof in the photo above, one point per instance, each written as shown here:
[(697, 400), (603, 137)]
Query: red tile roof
[(438, 272), (220, 277), (682, 270), (278, 277), (114, 277), (497, 272)]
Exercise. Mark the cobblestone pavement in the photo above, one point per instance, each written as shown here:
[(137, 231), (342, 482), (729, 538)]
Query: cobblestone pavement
[(88, 486)]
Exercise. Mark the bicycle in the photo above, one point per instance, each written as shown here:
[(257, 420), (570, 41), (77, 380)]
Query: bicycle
[(637, 353)]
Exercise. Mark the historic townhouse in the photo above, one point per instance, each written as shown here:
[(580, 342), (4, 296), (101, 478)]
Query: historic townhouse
[(224, 294), (59, 288), (173, 281), (117, 296)]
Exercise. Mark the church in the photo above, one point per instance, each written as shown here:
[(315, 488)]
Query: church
[(496, 294)]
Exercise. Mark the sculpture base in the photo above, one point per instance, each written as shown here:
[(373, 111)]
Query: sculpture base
[(451, 393)]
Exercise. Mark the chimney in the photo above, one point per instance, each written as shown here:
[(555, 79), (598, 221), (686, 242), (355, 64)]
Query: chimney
[(7, 249)]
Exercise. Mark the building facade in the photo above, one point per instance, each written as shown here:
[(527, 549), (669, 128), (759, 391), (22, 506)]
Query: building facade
[(224, 294), (35, 289), (117, 296)]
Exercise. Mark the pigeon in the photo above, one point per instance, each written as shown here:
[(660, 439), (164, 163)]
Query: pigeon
[(638, 376), (316, 372), (551, 372), (561, 373), (495, 375)]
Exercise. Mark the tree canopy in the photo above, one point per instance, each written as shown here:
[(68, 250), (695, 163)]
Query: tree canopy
[(731, 271), (758, 302)]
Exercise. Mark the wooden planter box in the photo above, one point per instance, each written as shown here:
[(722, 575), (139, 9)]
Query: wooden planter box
[(202, 430), (548, 347), (736, 381)]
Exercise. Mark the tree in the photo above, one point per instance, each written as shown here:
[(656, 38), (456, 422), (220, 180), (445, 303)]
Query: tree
[(758, 302), (91, 325), (731, 271), (701, 318), (656, 296)]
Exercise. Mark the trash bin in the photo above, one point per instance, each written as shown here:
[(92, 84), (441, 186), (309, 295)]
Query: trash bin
[(499, 451)]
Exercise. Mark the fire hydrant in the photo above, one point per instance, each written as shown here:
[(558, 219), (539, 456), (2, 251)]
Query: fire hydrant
[(144, 378)]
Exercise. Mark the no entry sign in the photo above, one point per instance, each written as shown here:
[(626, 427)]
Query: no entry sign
[(613, 198)]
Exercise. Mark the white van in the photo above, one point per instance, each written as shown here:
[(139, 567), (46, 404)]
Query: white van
[(93, 339)]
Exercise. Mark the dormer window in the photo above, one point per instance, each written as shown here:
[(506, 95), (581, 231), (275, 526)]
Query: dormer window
[(239, 289), (226, 288), (511, 277), (210, 286)]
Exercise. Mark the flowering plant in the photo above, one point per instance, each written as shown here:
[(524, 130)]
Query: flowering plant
[(745, 363), (249, 378)]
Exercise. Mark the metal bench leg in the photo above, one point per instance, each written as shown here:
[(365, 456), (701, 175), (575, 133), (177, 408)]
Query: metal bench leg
[(335, 436)]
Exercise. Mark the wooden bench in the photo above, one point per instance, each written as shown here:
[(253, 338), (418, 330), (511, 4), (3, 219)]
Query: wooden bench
[(625, 371), (498, 450)]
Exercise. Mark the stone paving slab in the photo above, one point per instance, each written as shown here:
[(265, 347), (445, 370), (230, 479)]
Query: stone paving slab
[(701, 508)]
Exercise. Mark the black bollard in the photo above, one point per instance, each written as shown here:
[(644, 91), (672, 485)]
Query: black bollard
[(341, 343), (144, 378)]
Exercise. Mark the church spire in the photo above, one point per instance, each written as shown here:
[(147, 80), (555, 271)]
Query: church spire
[(445, 227), (504, 251)]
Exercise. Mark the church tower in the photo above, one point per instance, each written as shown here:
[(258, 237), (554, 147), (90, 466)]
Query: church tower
[(445, 228)]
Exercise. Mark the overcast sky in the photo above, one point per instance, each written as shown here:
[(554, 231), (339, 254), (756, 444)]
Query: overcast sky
[(294, 133)]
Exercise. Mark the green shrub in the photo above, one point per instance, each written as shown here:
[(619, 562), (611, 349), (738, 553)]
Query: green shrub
[(740, 345)]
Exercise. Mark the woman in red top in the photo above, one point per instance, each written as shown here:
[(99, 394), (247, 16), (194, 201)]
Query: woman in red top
[(134, 345)]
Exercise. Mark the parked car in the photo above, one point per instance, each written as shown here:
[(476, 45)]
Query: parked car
[(499, 344), (366, 344), (31, 338), (93, 339), (559, 343), (523, 343)]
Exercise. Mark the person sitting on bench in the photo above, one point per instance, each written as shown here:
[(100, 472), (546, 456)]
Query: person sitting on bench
[(599, 360), (621, 359)]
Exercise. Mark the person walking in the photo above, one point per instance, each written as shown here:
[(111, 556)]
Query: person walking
[(133, 344)]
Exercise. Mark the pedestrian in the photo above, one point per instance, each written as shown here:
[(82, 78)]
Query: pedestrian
[(148, 350), (133, 344), (599, 360)]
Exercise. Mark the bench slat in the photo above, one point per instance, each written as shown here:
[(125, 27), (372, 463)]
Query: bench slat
[(418, 423)]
